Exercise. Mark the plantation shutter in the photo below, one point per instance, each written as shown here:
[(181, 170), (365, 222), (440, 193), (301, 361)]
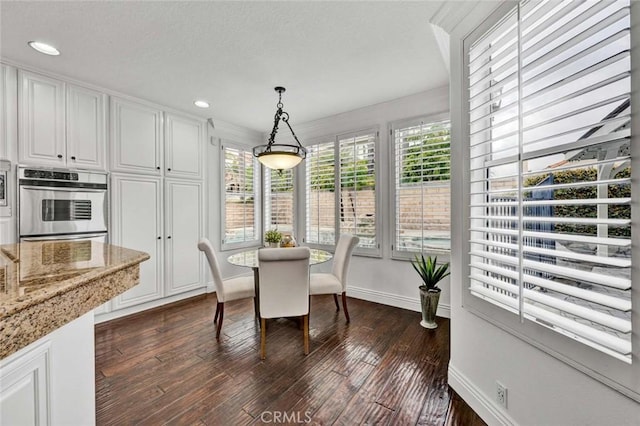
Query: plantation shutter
[(357, 209), (550, 169), (320, 194), (422, 186), (278, 203), (240, 207)]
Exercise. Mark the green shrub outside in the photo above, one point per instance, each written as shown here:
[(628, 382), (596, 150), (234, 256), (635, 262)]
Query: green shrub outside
[(617, 211)]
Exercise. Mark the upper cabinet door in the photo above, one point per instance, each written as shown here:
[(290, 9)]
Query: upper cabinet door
[(41, 120), (183, 147), (136, 137), (86, 128)]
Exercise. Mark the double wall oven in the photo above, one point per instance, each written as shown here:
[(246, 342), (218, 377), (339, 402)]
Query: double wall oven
[(56, 204)]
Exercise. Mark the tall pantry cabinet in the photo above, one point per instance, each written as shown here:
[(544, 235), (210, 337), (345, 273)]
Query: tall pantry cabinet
[(157, 197)]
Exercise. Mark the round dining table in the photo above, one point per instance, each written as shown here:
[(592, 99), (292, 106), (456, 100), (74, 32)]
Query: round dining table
[(249, 259)]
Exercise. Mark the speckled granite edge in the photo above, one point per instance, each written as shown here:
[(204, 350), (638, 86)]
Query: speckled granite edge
[(63, 286), (39, 319)]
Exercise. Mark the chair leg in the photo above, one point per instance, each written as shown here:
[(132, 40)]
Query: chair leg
[(256, 309), (305, 333), (220, 320), (335, 299), (215, 318), (344, 305), (263, 338)]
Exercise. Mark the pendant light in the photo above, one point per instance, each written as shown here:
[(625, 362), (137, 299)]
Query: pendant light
[(280, 156)]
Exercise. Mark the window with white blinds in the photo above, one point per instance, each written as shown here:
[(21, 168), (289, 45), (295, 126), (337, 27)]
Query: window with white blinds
[(550, 169), (279, 200), (357, 195), (320, 194), (241, 204), (422, 169), (341, 190)]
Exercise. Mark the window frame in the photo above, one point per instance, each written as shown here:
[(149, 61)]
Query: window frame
[(396, 254), (257, 200), (335, 139), (610, 371)]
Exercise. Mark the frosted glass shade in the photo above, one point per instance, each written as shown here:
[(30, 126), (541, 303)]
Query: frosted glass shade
[(279, 160)]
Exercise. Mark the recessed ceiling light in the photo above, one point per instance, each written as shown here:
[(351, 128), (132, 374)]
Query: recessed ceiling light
[(201, 104), (45, 48)]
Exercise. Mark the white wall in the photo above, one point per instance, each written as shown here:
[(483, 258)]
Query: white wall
[(541, 389)]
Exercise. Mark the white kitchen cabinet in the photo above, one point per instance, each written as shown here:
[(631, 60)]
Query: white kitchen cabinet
[(24, 394), (8, 151), (136, 137), (60, 124), (184, 208), (52, 380), (86, 128), (167, 229), (183, 146), (41, 120), (137, 223)]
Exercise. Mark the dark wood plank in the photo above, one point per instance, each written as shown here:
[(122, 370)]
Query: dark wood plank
[(166, 367)]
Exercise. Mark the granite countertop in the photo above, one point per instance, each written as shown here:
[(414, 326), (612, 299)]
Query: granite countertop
[(46, 284)]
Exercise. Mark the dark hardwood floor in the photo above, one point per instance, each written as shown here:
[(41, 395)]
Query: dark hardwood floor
[(165, 366)]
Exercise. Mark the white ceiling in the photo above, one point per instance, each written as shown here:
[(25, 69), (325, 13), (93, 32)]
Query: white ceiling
[(331, 56)]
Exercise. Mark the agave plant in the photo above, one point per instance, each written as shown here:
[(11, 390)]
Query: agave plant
[(430, 272)]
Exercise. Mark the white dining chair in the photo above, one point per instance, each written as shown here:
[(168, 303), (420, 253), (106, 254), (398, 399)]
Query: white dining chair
[(284, 288), (226, 290), (335, 282)]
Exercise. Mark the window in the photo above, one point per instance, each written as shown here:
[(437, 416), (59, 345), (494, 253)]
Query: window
[(550, 181), (279, 200), (341, 190), (320, 194), (422, 168), (241, 204)]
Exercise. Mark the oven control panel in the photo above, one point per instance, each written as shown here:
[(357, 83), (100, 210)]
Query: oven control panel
[(50, 174), (71, 178)]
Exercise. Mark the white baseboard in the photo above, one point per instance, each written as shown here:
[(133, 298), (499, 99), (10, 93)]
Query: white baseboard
[(389, 299), (108, 316), (485, 407)]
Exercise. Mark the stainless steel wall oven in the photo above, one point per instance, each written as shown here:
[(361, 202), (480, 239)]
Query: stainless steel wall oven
[(57, 204)]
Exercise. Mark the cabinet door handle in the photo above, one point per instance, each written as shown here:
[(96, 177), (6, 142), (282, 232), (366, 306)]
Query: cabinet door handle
[(169, 237), (73, 158), (157, 167), (59, 155), (169, 169), (159, 238)]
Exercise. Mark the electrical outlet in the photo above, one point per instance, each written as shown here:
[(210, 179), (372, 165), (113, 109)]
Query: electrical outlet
[(501, 394)]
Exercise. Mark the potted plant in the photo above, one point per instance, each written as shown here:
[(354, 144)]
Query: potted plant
[(431, 275), (272, 237)]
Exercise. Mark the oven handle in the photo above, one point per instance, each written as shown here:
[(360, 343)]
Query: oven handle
[(63, 237), (59, 188)]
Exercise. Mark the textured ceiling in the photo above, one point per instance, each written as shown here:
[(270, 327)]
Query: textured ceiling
[(331, 56)]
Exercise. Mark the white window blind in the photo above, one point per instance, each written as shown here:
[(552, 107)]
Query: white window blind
[(550, 190), (278, 200), (320, 194), (240, 197), (357, 196), (422, 169)]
